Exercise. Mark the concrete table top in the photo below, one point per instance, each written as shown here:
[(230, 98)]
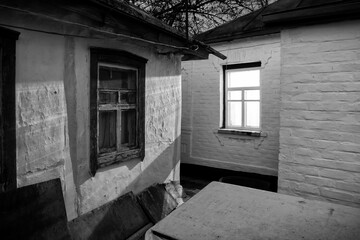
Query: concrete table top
[(224, 211)]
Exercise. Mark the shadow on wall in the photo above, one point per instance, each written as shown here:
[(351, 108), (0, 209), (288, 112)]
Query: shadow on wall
[(157, 171), (113, 181), (118, 219), (108, 215)]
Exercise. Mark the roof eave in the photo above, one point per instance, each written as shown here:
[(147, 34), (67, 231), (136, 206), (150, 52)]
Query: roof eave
[(322, 13), (202, 51), (152, 21), (227, 38)]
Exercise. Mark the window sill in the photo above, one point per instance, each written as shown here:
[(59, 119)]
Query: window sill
[(248, 133), (106, 159)]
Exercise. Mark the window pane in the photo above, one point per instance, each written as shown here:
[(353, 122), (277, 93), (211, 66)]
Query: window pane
[(234, 113), (104, 73), (234, 95), (252, 114), (126, 76), (128, 128), (117, 78), (128, 98), (108, 97), (249, 78), (107, 131), (252, 94)]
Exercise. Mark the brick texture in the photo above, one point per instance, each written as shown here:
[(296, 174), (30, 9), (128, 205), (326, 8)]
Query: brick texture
[(320, 112)]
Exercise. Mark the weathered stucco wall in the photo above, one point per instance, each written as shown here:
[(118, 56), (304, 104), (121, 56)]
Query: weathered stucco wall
[(42, 140), (53, 121), (320, 112), (162, 128), (202, 109)]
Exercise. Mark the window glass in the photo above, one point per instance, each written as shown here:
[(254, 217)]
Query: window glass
[(242, 99), (128, 98), (128, 128), (252, 114), (108, 97), (252, 94), (117, 78), (117, 88), (250, 78), (104, 73), (235, 95), (235, 113), (127, 77), (107, 131)]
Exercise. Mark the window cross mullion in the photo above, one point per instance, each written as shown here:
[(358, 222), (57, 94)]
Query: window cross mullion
[(243, 88)]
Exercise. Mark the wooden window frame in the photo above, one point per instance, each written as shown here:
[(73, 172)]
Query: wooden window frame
[(241, 66), (100, 56), (7, 109)]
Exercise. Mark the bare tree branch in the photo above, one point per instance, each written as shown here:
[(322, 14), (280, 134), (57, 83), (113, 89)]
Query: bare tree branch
[(205, 14)]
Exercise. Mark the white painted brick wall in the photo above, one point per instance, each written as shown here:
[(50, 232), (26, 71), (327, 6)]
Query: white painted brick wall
[(320, 112), (201, 109)]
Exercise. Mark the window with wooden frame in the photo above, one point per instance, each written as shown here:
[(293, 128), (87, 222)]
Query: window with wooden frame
[(117, 107), (242, 96)]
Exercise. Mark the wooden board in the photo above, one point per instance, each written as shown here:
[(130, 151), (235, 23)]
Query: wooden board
[(225, 211), (34, 212), (157, 202), (119, 219)]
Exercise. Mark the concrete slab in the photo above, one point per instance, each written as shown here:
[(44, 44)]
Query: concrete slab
[(224, 211)]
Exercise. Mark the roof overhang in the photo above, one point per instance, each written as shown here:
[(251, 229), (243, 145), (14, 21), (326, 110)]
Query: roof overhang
[(282, 14), (8, 33), (101, 19), (241, 35), (193, 49), (314, 14)]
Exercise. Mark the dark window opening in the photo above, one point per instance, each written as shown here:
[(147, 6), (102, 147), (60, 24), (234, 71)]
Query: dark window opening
[(107, 131), (117, 102)]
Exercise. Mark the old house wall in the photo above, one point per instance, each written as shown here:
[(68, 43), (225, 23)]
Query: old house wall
[(53, 119), (202, 108), (320, 112), (42, 141)]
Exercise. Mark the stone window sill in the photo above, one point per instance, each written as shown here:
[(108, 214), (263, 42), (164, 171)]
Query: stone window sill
[(248, 133)]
